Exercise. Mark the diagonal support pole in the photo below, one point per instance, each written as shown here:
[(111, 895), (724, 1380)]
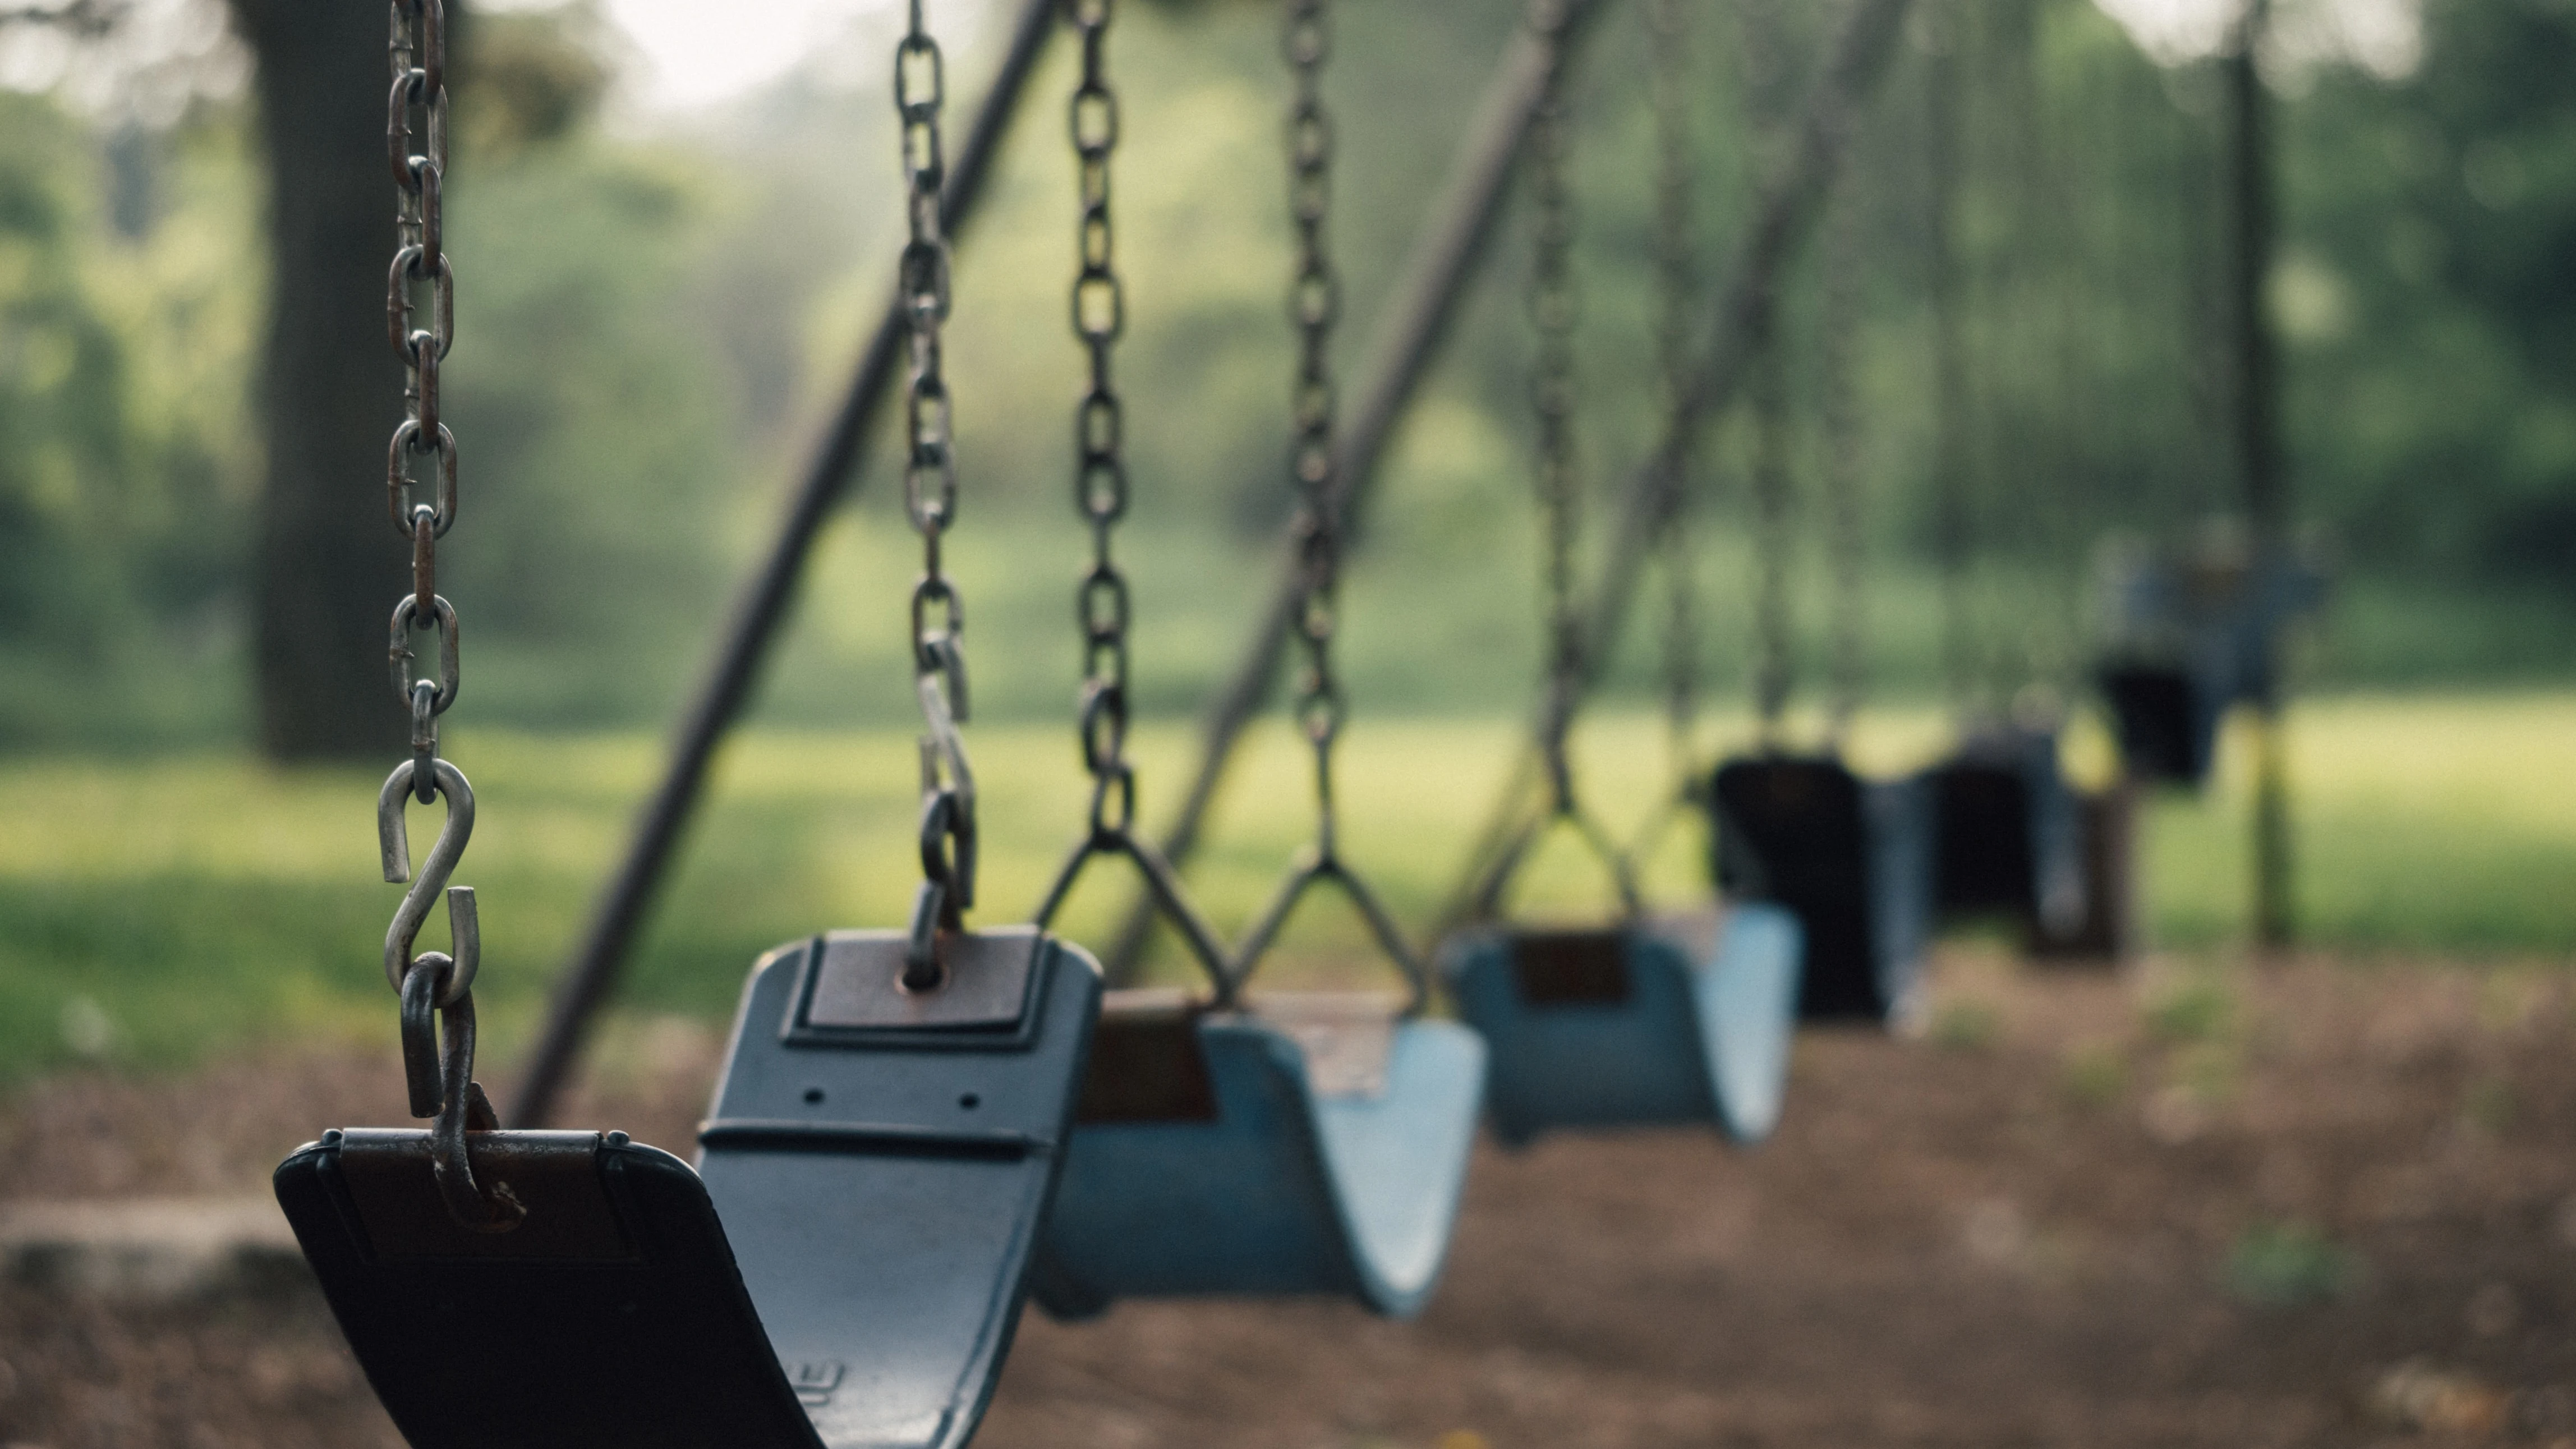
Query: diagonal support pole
[(610, 937), (1425, 301)]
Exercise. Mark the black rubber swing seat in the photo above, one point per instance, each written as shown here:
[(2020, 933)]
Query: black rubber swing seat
[(2008, 832), (845, 1267), (1851, 859), (2165, 722)]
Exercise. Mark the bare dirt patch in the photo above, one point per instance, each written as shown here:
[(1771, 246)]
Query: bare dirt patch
[(2316, 1205)]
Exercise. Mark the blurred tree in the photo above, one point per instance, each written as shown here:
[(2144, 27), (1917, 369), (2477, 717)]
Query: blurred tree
[(327, 564), (2429, 297)]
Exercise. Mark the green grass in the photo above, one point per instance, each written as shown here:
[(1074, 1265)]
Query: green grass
[(154, 911)]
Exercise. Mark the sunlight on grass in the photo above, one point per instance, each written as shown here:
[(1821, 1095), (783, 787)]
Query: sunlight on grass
[(150, 911)]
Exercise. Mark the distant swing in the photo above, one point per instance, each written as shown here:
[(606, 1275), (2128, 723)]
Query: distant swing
[(1641, 1020), (1292, 1145)]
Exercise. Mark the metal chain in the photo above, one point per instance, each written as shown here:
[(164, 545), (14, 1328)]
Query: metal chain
[(435, 987), (1842, 476), (418, 158), (1314, 306), (1773, 537), (1102, 605), (1773, 534), (1553, 305), (1677, 275), (1315, 303), (938, 618)]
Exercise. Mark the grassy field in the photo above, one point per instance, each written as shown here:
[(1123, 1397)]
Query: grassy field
[(151, 912)]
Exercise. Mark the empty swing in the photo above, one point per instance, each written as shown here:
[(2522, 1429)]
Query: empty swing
[(1642, 1020), (1850, 858), (1287, 1146), (846, 1265), (2008, 833), (2187, 640)]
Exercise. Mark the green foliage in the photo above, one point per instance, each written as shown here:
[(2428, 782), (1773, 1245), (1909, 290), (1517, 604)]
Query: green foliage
[(2429, 298), (202, 901), (655, 320), (65, 447), (2287, 1264), (2094, 1076), (1965, 1025), (121, 452), (2196, 1009)]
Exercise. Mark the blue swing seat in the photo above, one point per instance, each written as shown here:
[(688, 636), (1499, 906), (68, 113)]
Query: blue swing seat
[(1851, 859), (843, 1271), (1676, 1020), (1284, 1150)]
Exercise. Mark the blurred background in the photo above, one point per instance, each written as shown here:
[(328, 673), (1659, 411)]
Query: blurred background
[(673, 225), (673, 228)]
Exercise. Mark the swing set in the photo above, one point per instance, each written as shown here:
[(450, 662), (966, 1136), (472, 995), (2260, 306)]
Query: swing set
[(917, 1130)]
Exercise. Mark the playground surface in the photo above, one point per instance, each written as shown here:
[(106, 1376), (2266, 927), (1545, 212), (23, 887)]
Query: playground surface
[(2322, 1203)]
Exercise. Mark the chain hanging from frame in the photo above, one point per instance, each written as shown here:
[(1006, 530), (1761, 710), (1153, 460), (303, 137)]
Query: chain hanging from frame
[(1103, 607), (1315, 304), (435, 987), (938, 615)]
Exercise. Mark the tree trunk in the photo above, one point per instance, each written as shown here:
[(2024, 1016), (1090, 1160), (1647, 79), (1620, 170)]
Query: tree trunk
[(329, 566)]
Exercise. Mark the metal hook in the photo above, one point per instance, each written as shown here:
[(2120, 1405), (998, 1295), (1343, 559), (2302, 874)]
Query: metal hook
[(394, 837), (943, 752)]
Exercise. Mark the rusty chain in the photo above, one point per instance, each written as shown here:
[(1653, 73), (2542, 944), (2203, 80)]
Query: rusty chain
[(938, 618), (436, 987), (1102, 605)]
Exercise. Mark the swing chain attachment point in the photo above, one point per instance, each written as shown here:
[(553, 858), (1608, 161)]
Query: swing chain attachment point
[(1103, 606), (1554, 307), (930, 498), (948, 831), (435, 987), (393, 840), (438, 1069), (1315, 471)]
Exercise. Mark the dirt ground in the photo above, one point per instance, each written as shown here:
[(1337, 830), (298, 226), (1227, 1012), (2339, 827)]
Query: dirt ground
[(2319, 1205)]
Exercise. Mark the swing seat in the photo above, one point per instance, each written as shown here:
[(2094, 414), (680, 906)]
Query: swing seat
[(1312, 1146), (2103, 934), (1851, 860), (2008, 832), (1680, 1020), (844, 1269), (2165, 723)]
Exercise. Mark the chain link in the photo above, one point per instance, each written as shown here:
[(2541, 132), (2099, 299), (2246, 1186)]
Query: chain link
[(1102, 606), (438, 1055), (1553, 306), (416, 154), (1842, 475), (1314, 305), (1773, 534), (1677, 276), (938, 619)]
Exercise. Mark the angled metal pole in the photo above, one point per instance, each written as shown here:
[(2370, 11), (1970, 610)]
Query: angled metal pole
[(1425, 301), (757, 615), (1792, 200)]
